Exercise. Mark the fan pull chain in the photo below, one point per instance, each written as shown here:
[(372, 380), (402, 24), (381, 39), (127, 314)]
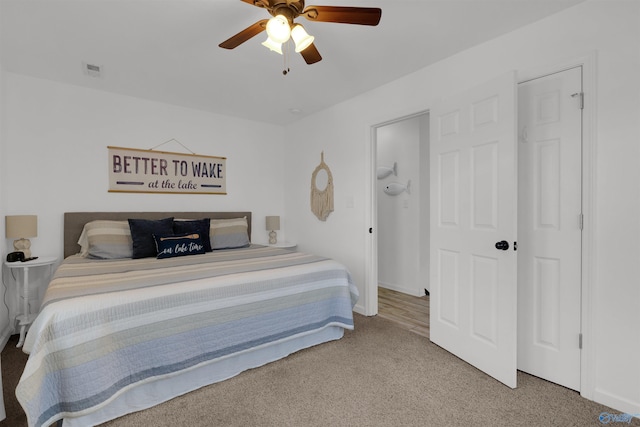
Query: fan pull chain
[(285, 58)]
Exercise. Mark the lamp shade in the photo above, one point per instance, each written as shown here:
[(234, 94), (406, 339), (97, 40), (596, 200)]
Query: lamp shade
[(21, 226), (301, 38), (272, 45), (278, 29), (273, 223)]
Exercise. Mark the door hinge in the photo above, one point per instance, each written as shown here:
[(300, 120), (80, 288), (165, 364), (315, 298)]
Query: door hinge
[(580, 96), (581, 221), (580, 341)]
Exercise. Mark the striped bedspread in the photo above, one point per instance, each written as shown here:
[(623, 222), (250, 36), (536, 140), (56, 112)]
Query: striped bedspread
[(106, 326)]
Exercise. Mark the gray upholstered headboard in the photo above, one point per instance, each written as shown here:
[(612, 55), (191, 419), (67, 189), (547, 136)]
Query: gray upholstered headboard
[(74, 222)]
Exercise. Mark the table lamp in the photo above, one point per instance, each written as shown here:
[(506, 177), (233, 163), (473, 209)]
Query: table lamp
[(21, 227), (273, 223)]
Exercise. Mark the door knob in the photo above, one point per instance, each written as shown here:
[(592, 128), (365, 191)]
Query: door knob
[(502, 245)]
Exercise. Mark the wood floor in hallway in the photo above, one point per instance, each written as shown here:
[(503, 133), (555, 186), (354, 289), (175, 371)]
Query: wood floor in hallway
[(410, 312)]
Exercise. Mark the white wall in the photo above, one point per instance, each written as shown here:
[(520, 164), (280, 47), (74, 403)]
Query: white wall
[(5, 330), (399, 216), (610, 29), (4, 311), (53, 157), (425, 196)]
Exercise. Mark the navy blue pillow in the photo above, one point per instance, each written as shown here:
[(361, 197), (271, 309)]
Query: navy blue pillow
[(198, 226), (173, 246), (142, 231)]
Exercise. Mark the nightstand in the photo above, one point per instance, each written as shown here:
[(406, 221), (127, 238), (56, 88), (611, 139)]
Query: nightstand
[(25, 318)]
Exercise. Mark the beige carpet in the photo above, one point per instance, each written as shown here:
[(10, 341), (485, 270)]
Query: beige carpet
[(377, 375)]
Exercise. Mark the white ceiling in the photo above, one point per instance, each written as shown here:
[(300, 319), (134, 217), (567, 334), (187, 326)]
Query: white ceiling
[(167, 50)]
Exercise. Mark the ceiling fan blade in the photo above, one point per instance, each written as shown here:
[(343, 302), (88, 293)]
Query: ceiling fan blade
[(311, 54), (344, 14), (244, 35)]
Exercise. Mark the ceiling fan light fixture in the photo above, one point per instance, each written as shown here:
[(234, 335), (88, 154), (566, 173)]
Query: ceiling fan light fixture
[(301, 38), (272, 45), (281, 27), (278, 29)]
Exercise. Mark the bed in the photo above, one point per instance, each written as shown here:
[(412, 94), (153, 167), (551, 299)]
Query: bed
[(121, 334)]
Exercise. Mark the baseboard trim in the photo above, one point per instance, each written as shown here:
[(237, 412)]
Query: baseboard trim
[(4, 337), (397, 288), (616, 402)]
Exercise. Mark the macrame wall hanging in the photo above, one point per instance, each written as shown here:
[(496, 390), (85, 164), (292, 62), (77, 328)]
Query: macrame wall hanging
[(322, 199)]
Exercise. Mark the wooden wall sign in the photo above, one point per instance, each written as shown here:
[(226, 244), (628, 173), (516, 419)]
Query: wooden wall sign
[(149, 171)]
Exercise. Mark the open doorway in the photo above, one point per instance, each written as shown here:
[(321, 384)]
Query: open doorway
[(402, 212)]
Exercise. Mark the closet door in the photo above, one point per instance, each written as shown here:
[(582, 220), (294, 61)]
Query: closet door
[(550, 227), (473, 227)]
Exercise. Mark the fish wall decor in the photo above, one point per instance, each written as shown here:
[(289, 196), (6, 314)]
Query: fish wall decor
[(395, 188), (384, 171)]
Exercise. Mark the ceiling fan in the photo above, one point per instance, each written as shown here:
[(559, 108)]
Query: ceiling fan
[(282, 27)]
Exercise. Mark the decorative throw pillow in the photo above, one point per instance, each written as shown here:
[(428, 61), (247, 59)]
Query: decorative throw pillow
[(181, 245), (229, 233), (106, 239), (198, 226), (142, 232)]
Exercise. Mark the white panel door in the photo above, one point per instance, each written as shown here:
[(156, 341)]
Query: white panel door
[(473, 305), (549, 231)]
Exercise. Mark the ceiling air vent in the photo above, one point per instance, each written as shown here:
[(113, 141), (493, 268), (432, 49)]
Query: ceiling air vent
[(92, 70)]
